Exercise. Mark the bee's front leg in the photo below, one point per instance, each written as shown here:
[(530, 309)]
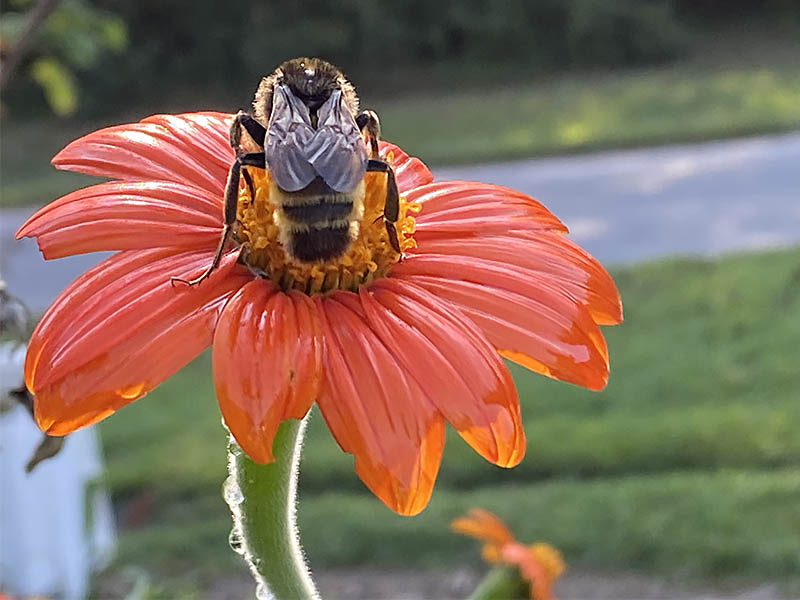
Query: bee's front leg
[(254, 129), (391, 209), (367, 120), (254, 159)]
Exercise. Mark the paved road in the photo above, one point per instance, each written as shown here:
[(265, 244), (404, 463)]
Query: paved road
[(622, 206), (699, 199)]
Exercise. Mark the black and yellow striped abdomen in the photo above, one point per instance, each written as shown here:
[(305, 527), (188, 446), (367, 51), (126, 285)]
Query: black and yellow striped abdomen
[(318, 223)]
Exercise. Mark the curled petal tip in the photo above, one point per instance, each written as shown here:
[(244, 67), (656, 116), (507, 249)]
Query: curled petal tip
[(58, 158), (64, 157), (620, 316), (603, 383)]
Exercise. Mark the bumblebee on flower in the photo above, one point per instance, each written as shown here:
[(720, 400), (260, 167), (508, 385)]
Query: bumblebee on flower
[(310, 207), (301, 292)]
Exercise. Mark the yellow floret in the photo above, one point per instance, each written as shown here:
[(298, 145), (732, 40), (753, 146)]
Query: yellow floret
[(369, 257)]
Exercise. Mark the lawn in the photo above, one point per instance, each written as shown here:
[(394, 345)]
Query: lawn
[(572, 113), (686, 465), (679, 104)]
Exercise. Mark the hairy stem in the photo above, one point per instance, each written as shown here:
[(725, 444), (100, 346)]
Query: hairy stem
[(262, 501)]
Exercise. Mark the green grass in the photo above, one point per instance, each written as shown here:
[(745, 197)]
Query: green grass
[(685, 465), (584, 113), (567, 114)]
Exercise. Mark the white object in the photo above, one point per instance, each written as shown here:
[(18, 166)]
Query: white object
[(56, 525)]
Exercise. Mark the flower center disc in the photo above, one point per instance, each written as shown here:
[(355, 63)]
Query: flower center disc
[(369, 256)]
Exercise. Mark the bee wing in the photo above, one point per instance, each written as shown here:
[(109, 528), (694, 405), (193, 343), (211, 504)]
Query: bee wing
[(337, 150), (288, 135)]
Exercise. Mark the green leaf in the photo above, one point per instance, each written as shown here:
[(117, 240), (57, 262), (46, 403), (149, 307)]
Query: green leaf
[(114, 32), (58, 85)]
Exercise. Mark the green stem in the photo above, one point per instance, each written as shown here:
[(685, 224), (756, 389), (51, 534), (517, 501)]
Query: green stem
[(262, 500), (501, 583)]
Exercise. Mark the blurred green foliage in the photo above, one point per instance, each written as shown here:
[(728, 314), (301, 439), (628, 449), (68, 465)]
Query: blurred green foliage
[(57, 83), (70, 42), (212, 46), (209, 49), (205, 48), (572, 113), (686, 464)]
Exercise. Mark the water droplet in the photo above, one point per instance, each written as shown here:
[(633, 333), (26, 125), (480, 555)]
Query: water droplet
[(131, 392), (231, 492), (262, 592), (235, 541)]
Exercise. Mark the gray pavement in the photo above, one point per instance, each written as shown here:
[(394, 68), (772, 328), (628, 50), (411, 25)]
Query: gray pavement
[(622, 206), (701, 199)]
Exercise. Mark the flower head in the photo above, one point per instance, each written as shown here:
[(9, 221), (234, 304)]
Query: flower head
[(389, 349), (539, 564)]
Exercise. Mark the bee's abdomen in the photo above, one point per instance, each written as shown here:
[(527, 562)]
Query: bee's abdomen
[(318, 223), (320, 244), (323, 211)]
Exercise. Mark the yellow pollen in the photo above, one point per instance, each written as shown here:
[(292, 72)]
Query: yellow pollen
[(369, 256)]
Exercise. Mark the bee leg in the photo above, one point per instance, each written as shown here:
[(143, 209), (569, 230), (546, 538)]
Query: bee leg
[(368, 120), (391, 230), (255, 129), (249, 181), (391, 209), (254, 159)]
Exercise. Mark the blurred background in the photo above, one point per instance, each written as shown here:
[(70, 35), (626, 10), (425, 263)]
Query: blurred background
[(664, 133)]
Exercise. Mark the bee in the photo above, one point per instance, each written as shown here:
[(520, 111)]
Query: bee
[(318, 148)]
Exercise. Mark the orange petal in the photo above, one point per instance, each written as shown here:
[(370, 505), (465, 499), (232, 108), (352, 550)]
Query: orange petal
[(377, 412), (453, 363), (568, 266), (267, 360), (119, 330), (526, 316), (126, 216), (190, 148), (409, 171), (467, 208), (483, 525), (530, 569)]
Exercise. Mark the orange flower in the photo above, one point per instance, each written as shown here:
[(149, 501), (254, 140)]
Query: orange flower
[(539, 564), (388, 350)]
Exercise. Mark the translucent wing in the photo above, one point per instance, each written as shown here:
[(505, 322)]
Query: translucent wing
[(337, 150), (288, 136)]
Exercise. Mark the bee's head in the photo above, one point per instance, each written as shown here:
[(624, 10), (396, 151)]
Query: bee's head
[(310, 80)]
